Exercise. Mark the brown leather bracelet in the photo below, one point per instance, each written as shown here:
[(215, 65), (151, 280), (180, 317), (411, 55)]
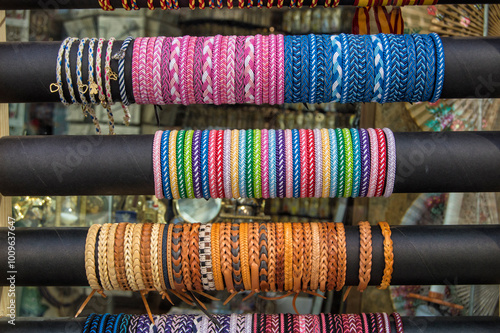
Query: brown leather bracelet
[(388, 255), (136, 253), (288, 236), (365, 255), (316, 256), (235, 257), (332, 257), (298, 256), (253, 254), (342, 256), (194, 256), (271, 249), (306, 276), (161, 257), (119, 251), (111, 257), (280, 256), (263, 253), (323, 265), (155, 261), (225, 255), (90, 264), (170, 269), (147, 273), (102, 263), (216, 262), (129, 256), (185, 260), (245, 265), (177, 258)]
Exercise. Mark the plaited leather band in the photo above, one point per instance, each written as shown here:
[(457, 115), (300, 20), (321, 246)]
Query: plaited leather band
[(162, 257), (306, 276), (177, 258), (323, 265), (194, 256), (147, 274), (185, 260), (216, 262), (388, 255), (129, 256), (342, 256), (245, 265), (155, 256), (225, 255), (102, 257), (136, 255), (235, 257), (365, 255), (332, 256), (205, 250), (271, 249), (90, 264), (119, 250), (316, 252), (253, 254), (111, 257), (288, 235), (298, 255), (280, 256), (263, 257)]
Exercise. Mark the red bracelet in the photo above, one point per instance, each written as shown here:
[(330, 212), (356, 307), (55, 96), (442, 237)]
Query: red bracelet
[(311, 177), (382, 158), (220, 163), (212, 175), (304, 167)]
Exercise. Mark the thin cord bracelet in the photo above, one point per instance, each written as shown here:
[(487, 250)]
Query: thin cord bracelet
[(249, 164), (356, 146), (431, 68), (212, 172), (205, 185), (318, 153), (374, 163), (280, 163), (235, 186), (333, 163), (157, 172), (188, 163), (340, 162), (288, 159), (258, 69), (365, 162), (264, 160), (257, 172), (196, 160), (58, 86), (325, 144), (109, 74), (391, 162), (311, 157), (172, 163), (294, 71), (440, 65), (219, 160), (227, 164), (272, 164), (304, 163), (180, 164), (382, 162), (69, 80), (304, 70), (93, 88), (242, 164), (349, 162), (296, 158), (313, 66), (337, 68), (149, 75)]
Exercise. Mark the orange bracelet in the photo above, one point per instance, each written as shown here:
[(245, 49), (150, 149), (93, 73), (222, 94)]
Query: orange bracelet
[(323, 264), (225, 255), (90, 264), (280, 256), (111, 257), (216, 263), (185, 249), (365, 255), (316, 253), (288, 256), (253, 254), (306, 276), (194, 256), (332, 256), (147, 273), (119, 250), (298, 256), (388, 255), (342, 256), (271, 248), (136, 255), (245, 266), (169, 256)]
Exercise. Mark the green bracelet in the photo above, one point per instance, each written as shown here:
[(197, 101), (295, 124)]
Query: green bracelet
[(340, 162), (180, 164), (257, 183), (249, 166), (349, 162), (188, 143)]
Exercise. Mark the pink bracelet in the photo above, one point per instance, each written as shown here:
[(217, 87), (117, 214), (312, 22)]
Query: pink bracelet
[(382, 162), (318, 155), (223, 70), (157, 164), (391, 162), (264, 162), (304, 162), (258, 69), (135, 70), (280, 67), (150, 54), (216, 69), (227, 164), (207, 70), (265, 69), (372, 186), (190, 70), (231, 74), (173, 68), (165, 73), (183, 58), (142, 70), (157, 92), (198, 70), (249, 70), (288, 164), (212, 173), (272, 69), (239, 81)]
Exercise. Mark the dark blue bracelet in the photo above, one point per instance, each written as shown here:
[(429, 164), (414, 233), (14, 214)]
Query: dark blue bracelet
[(288, 69), (412, 68), (280, 163), (164, 257), (370, 69), (204, 164), (196, 163), (431, 68), (165, 175), (110, 325), (296, 69), (304, 71), (143, 324), (88, 322), (313, 68), (118, 321), (421, 68), (346, 70), (120, 56), (365, 161), (438, 44), (320, 78), (378, 56), (358, 69), (388, 70), (338, 76), (356, 179), (103, 322), (328, 62), (296, 163)]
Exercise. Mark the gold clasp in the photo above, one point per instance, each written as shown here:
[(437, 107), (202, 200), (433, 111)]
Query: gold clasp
[(54, 87)]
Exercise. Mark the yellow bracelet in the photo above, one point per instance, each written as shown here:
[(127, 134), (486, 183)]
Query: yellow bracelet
[(235, 186), (172, 164), (102, 262), (245, 267), (111, 257), (129, 258), (325, 142), (315, 256), (214, 243), (90, 268), (136, 256), (288, 256)]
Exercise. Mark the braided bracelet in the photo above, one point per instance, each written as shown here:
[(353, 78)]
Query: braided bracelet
[(149, 75), (136, 256), (145, 256), (90, 264), (356, 162), (205, 251), (263, 258), (304, 163), (280, 163), (374, 167), (342, 256), (272, 163), (156, 256), (242, 163), (290, 179), (271, 256), (280, 257), (365, 162), (180, 164), (227, 164), (298, 256), (119, 255), (382, 159), (176, 258), (333, 162), (111, 257), (288, 257), (365, 255), (253, 255), (249, 164), (226, 256), (196, 164), (235, 257), (306, 276), (216, 261), (315, 255), (157, 164), (349, 162), (341, 182), (102, 257), (58, 86), (188, 163), (185, 255), (245, 266), (212, 172), (257, 164), (391, 162), (318, 153), (311, 163), (332, 257), (388, 255), (205, 187), (129, 260), (219, 163)]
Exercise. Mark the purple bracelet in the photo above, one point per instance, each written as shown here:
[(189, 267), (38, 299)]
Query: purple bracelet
[(143, 324), (239, 81), (227, 164), (280, 162), (391, 162), (196, 158), (365, 161), (318, 156), (165, 73), (198, 70)]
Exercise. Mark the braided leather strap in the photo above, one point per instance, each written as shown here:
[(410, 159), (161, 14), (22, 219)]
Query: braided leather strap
[(332, 256), (365, 255), (342, 256), (119, 254), (136, 256), (245, 266), (145, 259), (316, 255), (271, 249), (102, 256), (185, 255), (307, 268), (216, 260), (226, 256), (235, 257), (253, 255), (129, 260), (280, 256), (298, 256), (288, 240), (324, 253), (263, 257), (178, 282), (90, 265), (388, 255)]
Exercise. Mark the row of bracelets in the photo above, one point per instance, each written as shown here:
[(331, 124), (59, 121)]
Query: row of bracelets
[(245, 323), (260, 69), (274, 163), (174, 4), (256, 257)]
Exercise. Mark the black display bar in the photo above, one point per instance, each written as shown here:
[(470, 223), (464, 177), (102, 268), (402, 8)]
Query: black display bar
[(423, 255), (472, 68), (122, 164)]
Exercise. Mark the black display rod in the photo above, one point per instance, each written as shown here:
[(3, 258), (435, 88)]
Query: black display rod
[(122, 164), (423, 255), (410, 325), (472, 68), (82, 4)]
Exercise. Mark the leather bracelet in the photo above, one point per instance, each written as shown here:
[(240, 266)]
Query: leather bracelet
[(298, 256), (388, 255), (271, 256), (263, 254), (316, 253), (136, 256), (102, 257), (332, 257), (205, 251), (194, 256), (162, 260), (225, 255), (253, 254), (119, 251), (288, 240), (306, 276), (90, 264), (185, 259), (245, 266), (111, 257), (178, 283), (235, 257), (280, 257), (365, 255), (342, 256), (147, 274), (169, 256), (216, 261), (129, 257), (323, 265)]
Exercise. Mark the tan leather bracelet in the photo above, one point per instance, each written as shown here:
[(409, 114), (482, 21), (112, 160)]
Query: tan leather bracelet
[(245, 266), (365, 255), (161, 257), (342, 256), (155, 258), (102, 261), (388, 255), (90, 265), (225, 255), (119, 250), (253, 254), (169, 256), (136, 255), (194, 256), (111, 257), (177, 258), (216, 262), (129, 256), (288, 239), (332, 257), (316, 253), (306, 276), (186, 267), (323, 264), (271, 248), (147, 273), (280, 256), (298, 256)]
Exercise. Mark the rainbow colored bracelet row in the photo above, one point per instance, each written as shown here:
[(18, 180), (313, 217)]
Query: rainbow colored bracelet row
[(274, 163)]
